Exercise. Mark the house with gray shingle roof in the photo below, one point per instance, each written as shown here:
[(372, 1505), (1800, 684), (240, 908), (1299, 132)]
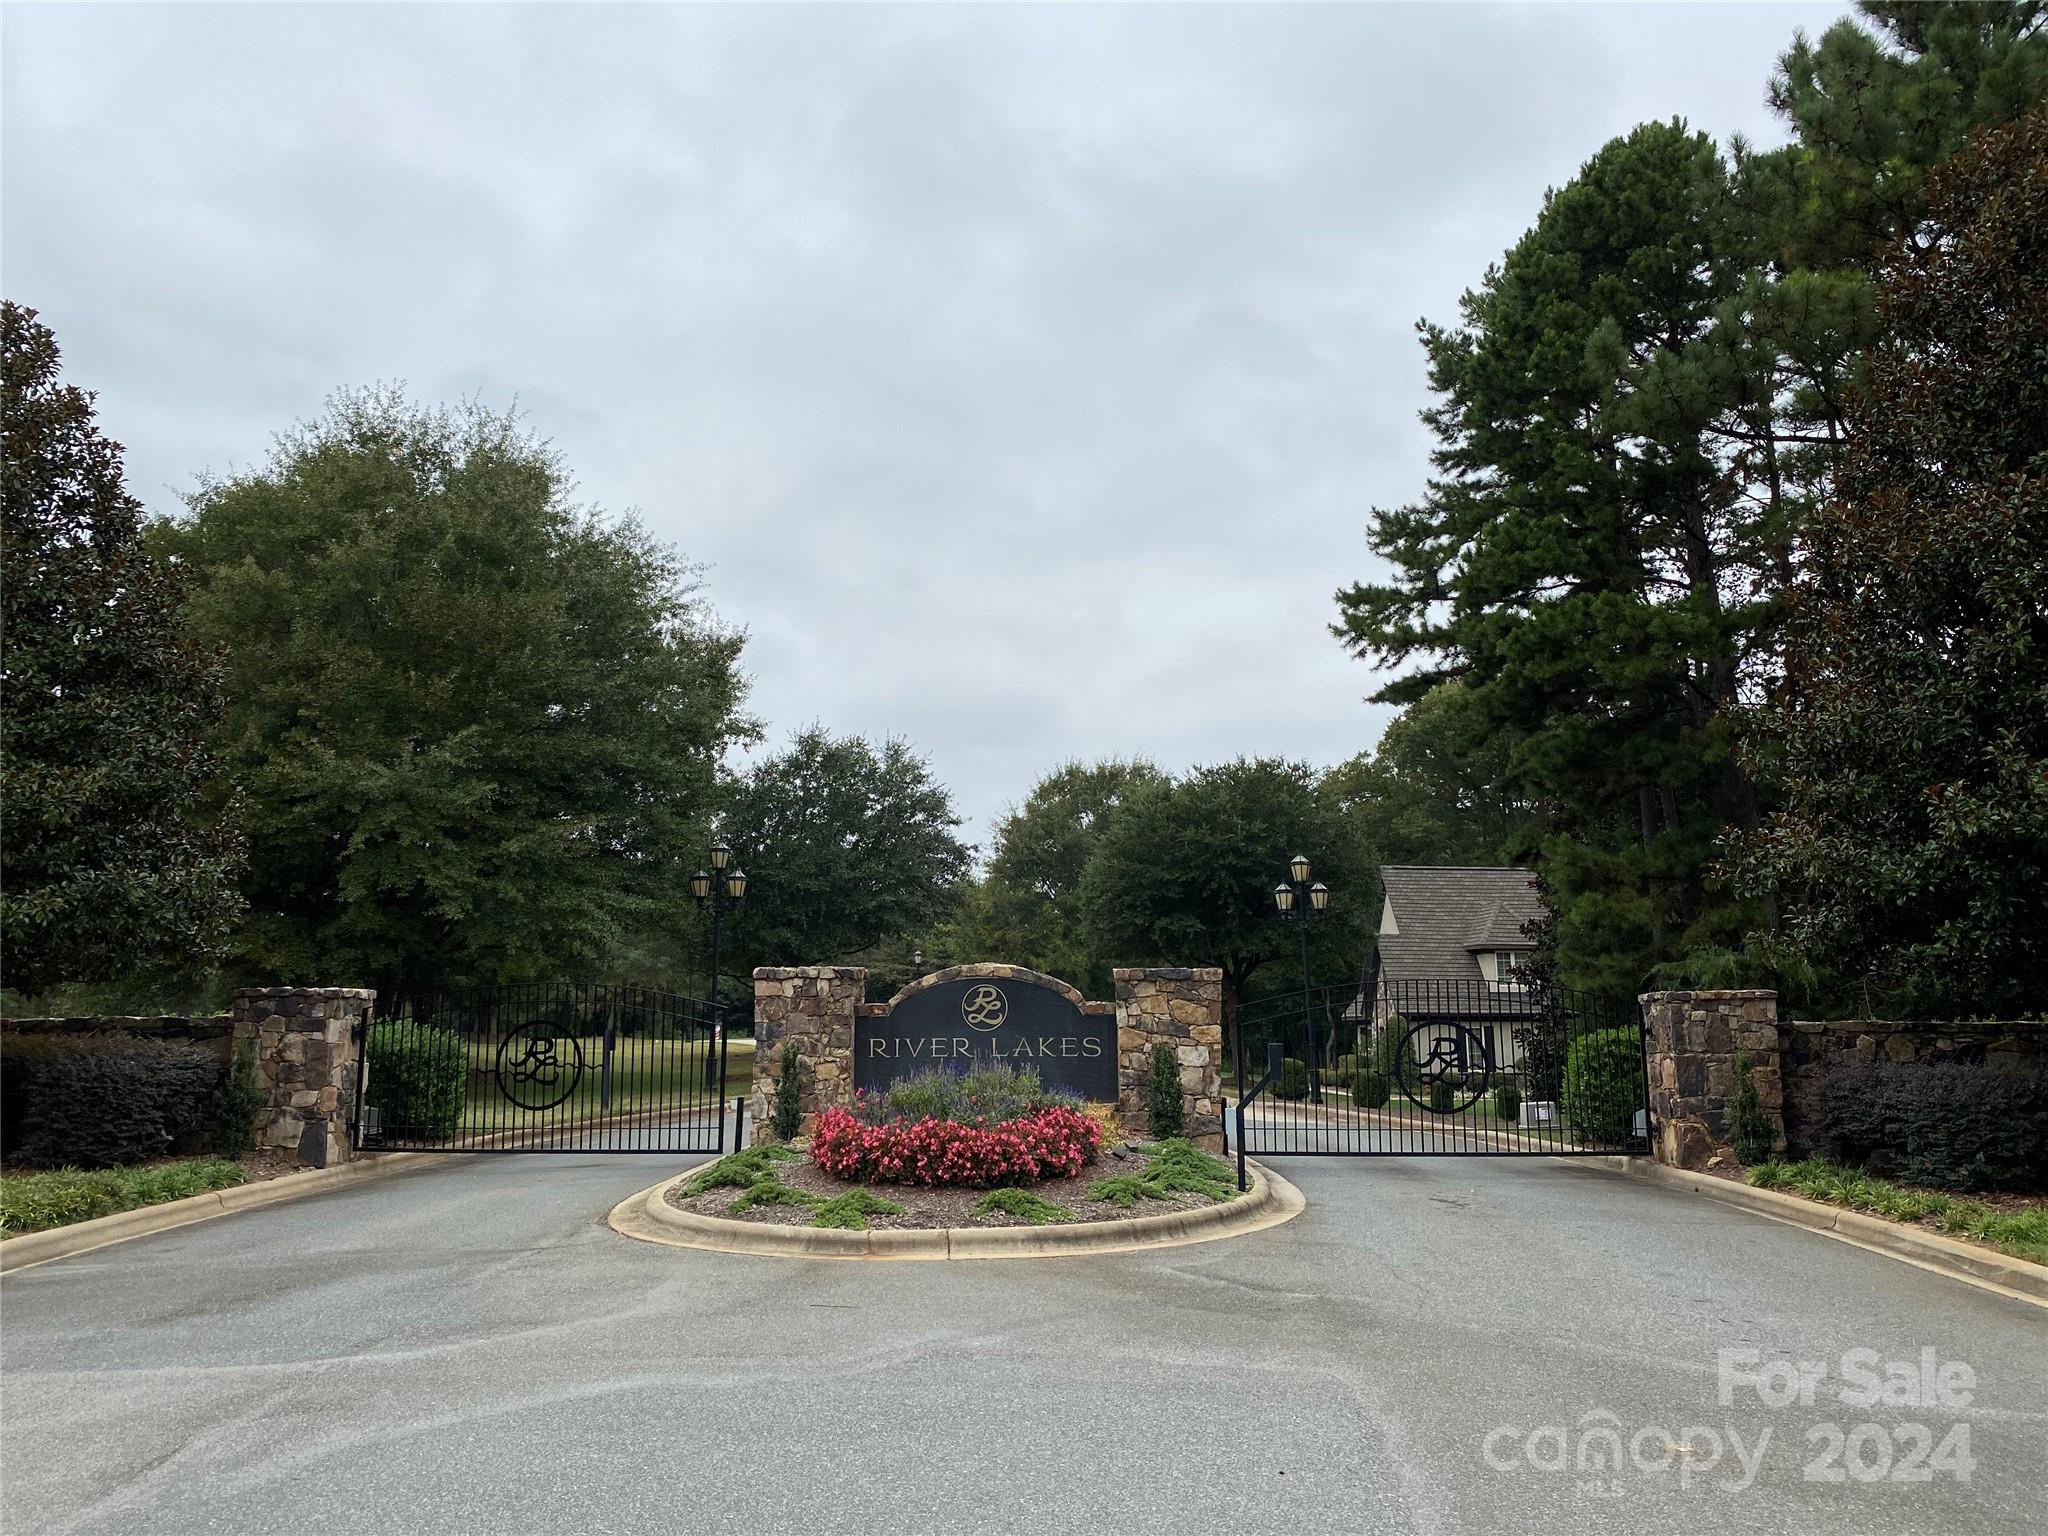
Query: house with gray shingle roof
[(1450, 939), (1458, 923)]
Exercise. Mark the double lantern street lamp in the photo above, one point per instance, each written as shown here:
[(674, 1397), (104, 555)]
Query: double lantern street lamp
[(720, 888), (1299, 900)]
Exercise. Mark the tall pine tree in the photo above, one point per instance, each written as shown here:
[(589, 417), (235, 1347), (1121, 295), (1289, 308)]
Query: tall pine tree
[(1637, 415)]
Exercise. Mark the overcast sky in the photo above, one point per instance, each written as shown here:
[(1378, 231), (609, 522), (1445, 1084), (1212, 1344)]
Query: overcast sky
[(1023, 376)]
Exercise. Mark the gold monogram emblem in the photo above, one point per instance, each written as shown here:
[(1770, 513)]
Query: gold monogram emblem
[(984, 1007)]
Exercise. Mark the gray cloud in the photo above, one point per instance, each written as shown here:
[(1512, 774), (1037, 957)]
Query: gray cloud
[(1024, 376)]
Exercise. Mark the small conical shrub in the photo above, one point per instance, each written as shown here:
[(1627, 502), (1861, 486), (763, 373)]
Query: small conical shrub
[(1168, 1116)]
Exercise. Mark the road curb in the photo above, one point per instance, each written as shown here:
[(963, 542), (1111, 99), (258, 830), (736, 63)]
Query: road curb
[(1930, 1250), (649, 1217), (32, 1248)]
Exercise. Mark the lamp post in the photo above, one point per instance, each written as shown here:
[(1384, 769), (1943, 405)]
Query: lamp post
[(1299, 900), (721, 889)]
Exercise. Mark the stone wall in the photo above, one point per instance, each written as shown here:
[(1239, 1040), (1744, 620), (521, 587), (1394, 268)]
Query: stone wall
[(308, 1045), (1181, 1007), (1693, 1039), (1811, 1049), (215, 1031), (814, 1006)]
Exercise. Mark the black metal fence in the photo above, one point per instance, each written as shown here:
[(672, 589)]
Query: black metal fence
[(1440, 1068), (544, 1068)]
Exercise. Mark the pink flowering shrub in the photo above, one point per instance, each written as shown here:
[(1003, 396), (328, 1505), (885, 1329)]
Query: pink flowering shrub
[(1049, 1142)]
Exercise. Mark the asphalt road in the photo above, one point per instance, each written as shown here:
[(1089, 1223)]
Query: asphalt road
[(469, 1349)]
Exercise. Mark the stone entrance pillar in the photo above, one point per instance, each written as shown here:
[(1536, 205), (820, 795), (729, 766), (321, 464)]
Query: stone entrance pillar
[(1181, 1007), (308, 1043), (1693, 1039), (812, 1005)]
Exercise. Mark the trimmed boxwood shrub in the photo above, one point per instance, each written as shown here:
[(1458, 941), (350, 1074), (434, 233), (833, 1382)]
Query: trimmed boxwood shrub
[(1507, 1103), (1293, 1080), (1168, 1113), (98, 1101), (1603, 1084), (1370, 1088), (1938, 1123), (418, 1080), (1443, 1094), (1388, 1057)]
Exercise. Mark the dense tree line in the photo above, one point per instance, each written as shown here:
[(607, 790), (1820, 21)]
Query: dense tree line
[(1723, 610), (1640, 413)]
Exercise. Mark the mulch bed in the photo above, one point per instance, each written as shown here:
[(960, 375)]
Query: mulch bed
[(927, 1208)]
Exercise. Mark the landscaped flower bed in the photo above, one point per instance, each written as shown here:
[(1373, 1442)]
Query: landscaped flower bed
[(781, 1186), (989, 1148), (1050, 1142)]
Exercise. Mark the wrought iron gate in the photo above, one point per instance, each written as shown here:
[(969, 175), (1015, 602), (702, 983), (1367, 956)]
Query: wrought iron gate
[(544, 1069), (1440, 1068)]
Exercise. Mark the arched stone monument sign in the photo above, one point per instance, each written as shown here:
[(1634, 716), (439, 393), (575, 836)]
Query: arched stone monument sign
[(971, 1015), (960, 1023)]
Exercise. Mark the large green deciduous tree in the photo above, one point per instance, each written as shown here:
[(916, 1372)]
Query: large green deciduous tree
[(118, 854), (479, 727), (1185, 873), (1433, 791), (1026, 910), (1910, 737), (847, 849)]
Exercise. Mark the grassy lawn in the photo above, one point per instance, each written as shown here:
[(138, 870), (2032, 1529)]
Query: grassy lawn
[(647, 1075), (2021, 1232), (36, 1202), (1478, 1116)]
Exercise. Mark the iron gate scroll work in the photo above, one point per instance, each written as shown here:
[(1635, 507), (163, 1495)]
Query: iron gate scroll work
[(1441, 1068), (545, 1069)]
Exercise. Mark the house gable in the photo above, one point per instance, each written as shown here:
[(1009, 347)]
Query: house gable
[(1439, 920)]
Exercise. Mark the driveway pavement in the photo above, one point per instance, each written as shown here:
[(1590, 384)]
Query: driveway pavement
[(468, 1349)]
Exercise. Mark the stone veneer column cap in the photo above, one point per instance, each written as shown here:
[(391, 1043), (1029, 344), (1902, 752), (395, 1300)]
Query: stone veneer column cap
[(347, 993), (1167, 973), (1725, 995), (810, 973), (989, 970)]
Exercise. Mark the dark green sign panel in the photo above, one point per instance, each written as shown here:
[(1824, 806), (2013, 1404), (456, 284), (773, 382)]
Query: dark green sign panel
[(957, 1026)]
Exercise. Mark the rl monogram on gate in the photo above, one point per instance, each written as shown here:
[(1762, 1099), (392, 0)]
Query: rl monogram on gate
[(959, 1025)]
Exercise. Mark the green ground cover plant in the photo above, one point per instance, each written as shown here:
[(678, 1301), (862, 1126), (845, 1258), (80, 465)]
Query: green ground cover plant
[(772, 1191), (742, 1169), (850, 1211), (1022, 1204), (2022, 1233), (1174, 1167), (36, 1202)]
